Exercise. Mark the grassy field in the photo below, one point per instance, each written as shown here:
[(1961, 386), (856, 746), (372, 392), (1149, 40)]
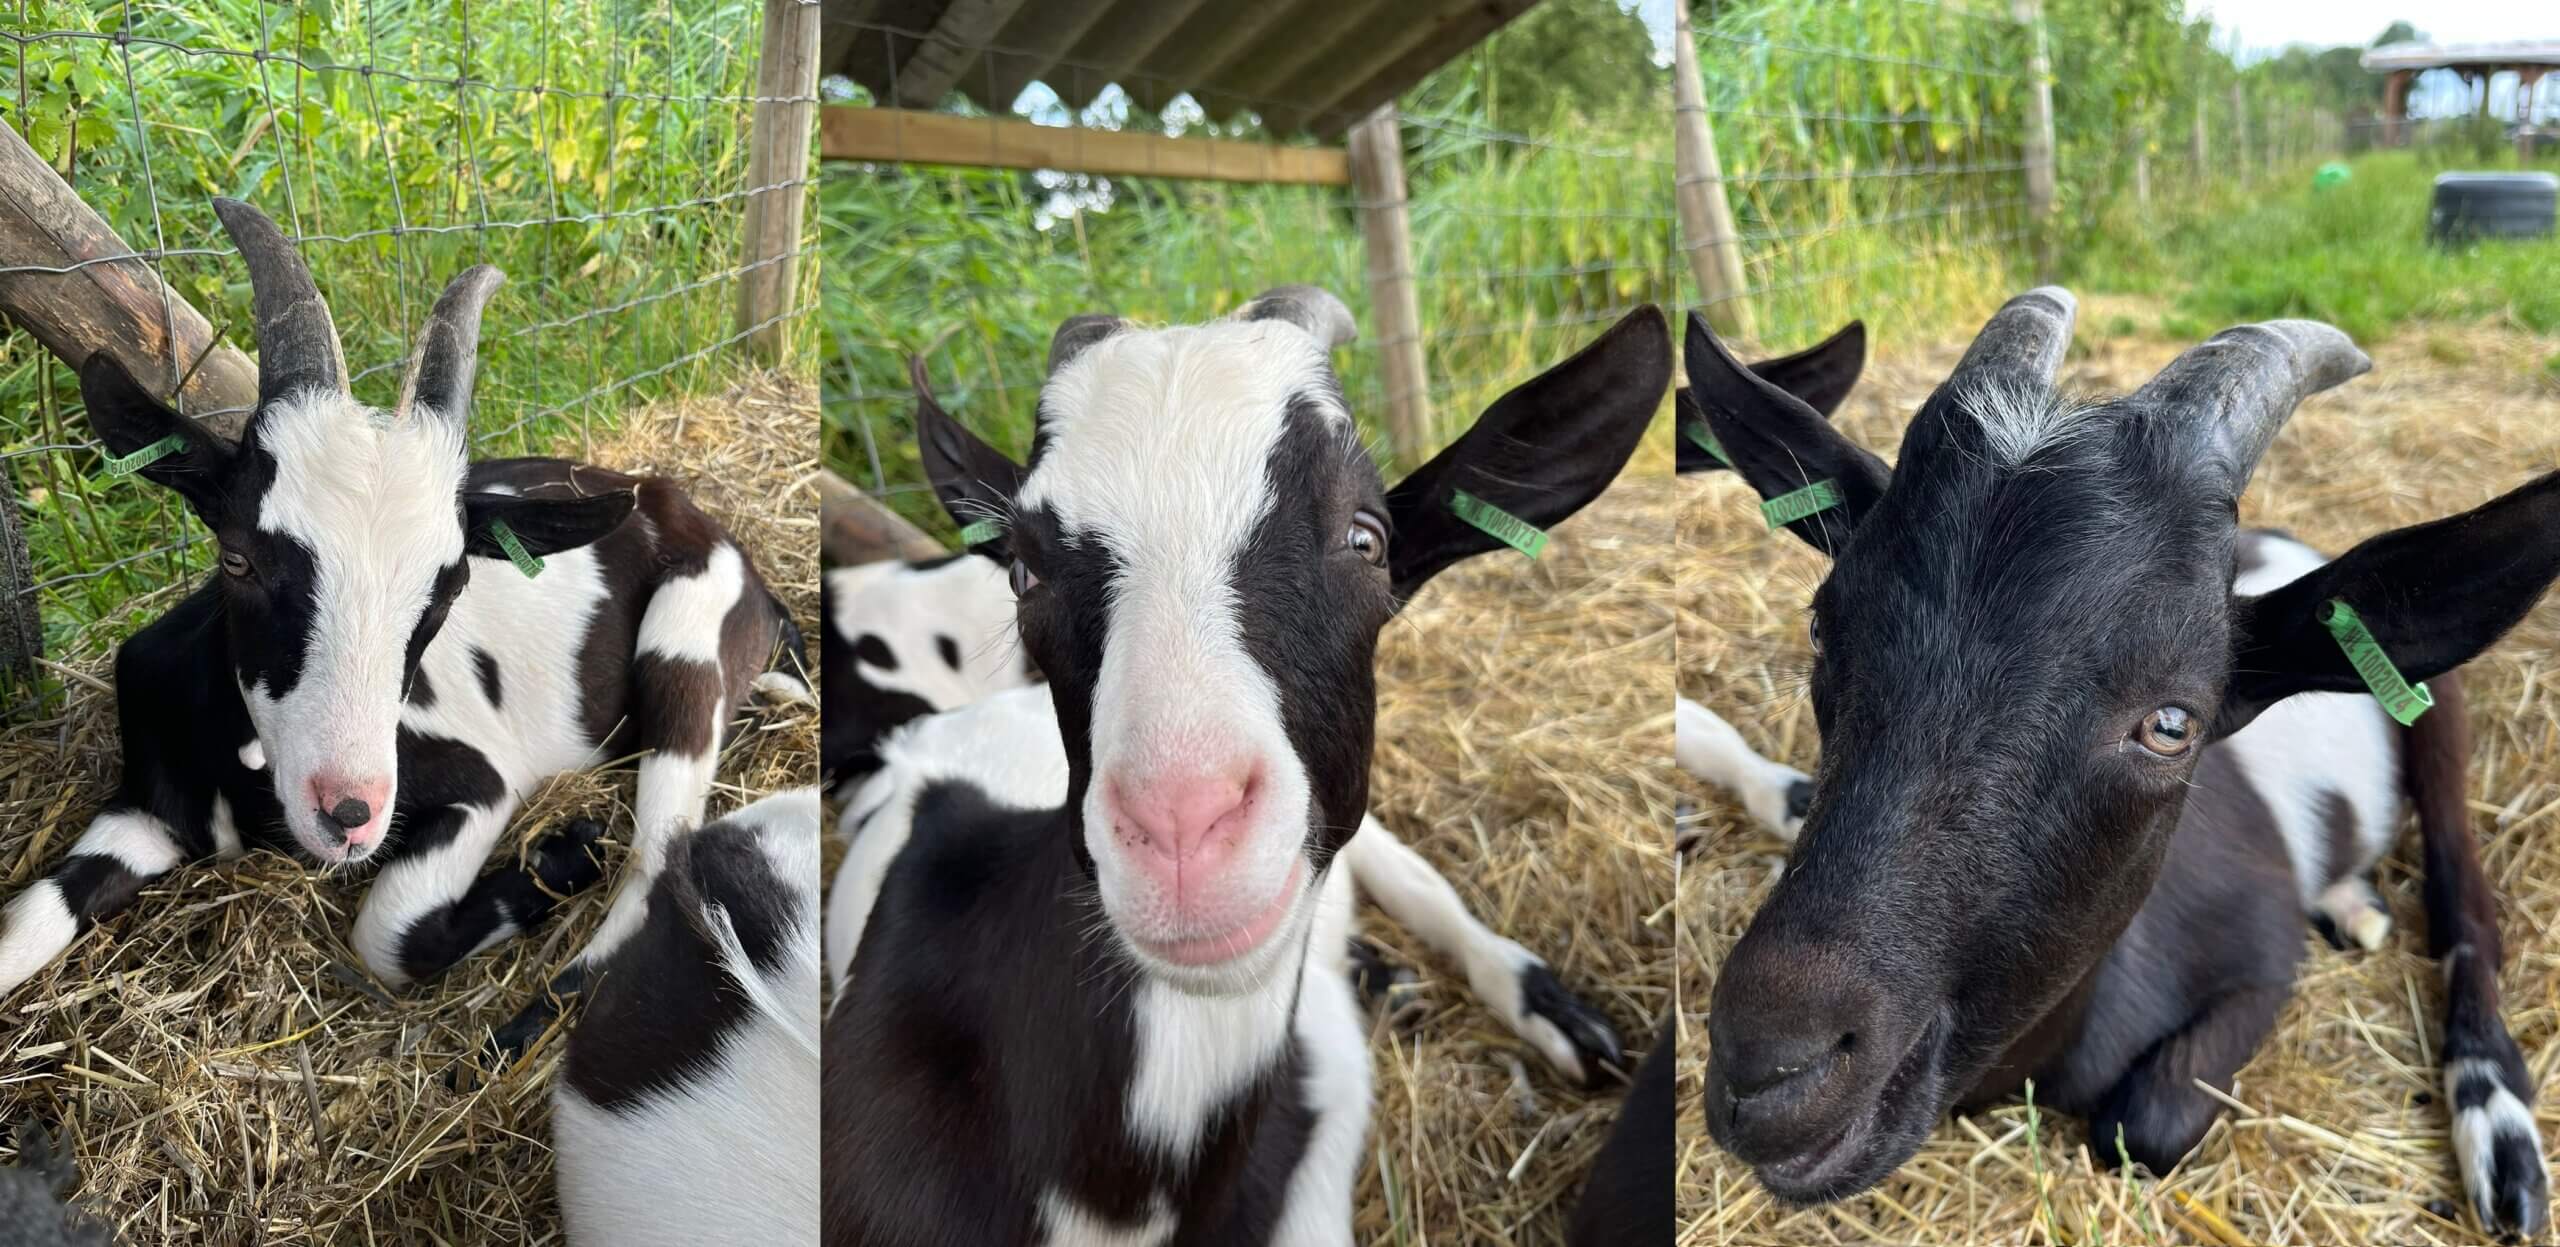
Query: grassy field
[(596, 155), (2354, 255)]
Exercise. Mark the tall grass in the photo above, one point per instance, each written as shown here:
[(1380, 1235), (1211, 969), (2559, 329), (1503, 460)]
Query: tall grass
[(596, 156)]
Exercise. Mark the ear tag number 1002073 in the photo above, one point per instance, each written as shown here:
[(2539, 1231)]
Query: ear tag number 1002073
[(2400, 699), (1501, 525)]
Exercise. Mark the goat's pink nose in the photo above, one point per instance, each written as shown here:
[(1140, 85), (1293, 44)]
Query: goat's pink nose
[(352, 809), (1186, 823)]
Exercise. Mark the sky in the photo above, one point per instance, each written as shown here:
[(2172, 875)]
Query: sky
[(2263, 26)]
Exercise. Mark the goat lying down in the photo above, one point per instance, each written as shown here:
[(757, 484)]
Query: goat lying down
[(2165, 759), (686, 1112), (399, 644), (1090, 938)]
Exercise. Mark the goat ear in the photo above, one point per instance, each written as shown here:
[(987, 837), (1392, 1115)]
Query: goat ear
[(542, 526), (1538, 453), (126, 419), (974, 480), (1778, 442), (2433, 595), (1819, 376)]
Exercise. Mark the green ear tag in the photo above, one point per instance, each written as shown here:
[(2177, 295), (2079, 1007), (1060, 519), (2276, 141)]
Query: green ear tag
[(2400, 699), (516, 553), (981, 533), (127, 465), (1707, 442), (1813, 499), (1509, 529)]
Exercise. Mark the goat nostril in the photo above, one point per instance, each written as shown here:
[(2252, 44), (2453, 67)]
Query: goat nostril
[(1849, 1043), (350, 813)]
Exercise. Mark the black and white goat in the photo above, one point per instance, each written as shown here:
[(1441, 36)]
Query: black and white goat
[(1098, 991), (369, 679), (903, 639), (2090, 755), (687, 1110)]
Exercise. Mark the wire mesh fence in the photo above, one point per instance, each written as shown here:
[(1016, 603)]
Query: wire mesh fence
[(1523, 247), (597, 153), (1876, 155)]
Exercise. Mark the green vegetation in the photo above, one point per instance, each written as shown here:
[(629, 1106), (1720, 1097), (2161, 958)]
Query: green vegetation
[(614, 218), (2355, 255), (1541, 211)]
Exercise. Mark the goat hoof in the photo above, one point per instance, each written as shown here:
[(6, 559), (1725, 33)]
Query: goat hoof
[(1577, 1039), (567, 860), (1384, 986)]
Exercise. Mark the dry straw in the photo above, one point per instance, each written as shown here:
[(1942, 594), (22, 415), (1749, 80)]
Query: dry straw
[(227, 1075), (1523, 739), (2338, 1133)]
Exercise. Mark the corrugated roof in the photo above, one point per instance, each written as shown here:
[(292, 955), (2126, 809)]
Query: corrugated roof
[(2462, 55), (1301, 65)]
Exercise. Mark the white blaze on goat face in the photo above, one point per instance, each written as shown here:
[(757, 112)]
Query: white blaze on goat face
[(360, 523), (1198, 812)]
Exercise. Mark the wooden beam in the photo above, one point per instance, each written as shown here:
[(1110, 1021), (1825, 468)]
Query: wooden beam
[(949, 50), (1377, 161), (1453, 34), (778, 157), (1706, 219), (116, 307), (903, 136)]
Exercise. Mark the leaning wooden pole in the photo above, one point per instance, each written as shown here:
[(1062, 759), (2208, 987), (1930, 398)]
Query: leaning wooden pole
[(853, 528), (778, 173), (79, 300), (1377, 179), (1706, 217)]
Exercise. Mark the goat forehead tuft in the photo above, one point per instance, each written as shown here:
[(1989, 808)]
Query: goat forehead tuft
[(2019, 420), (348, 473), (1174, 431)]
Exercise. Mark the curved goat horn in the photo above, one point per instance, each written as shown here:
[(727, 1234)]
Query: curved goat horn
[(2244, 382), (297, 344), (2026, 336), (448, 350), (1312, 308)]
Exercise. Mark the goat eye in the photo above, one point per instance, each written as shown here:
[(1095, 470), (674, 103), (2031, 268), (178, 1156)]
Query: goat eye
[(2167, 731), (235, 563), (1367, 538), (1813, 629), (1023, 581)]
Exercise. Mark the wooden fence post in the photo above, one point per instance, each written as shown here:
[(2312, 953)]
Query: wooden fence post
[(2197, 150), (853, 528), (1706, 218), (115, 307), (778, 159), (1377, 179), (2039, 153)]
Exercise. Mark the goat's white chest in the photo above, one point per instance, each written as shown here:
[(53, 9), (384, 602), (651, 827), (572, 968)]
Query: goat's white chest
[(504, 671)]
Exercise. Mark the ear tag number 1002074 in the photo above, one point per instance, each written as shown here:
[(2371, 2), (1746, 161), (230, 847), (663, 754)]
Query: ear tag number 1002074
[(516, 553), (2400, 699)]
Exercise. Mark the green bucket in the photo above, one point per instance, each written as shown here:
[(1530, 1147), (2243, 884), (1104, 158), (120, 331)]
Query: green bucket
[(2333, 174)]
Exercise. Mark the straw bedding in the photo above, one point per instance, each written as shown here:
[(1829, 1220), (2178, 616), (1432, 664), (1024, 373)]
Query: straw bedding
[(2344, 1135), (225, 1073)]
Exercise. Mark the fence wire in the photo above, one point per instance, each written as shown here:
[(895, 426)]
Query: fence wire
[(1875, 153), (595, 152), (1523, 249)]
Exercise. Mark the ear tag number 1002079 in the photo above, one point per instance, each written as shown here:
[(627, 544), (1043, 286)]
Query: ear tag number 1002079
[(127, 465)]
